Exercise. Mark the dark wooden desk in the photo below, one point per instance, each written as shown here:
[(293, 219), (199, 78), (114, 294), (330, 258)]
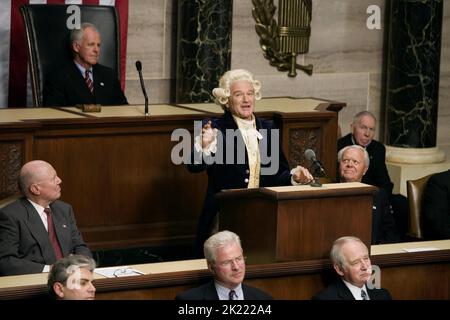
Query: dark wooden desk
[(116, 165), (419, 275), (296, 223)]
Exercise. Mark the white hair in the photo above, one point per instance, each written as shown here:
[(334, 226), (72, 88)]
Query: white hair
[(355, 147), (222, 93)]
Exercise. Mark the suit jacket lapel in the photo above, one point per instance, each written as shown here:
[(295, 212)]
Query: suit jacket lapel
[(81, 84), (211, 292), (38, 231), (247, 293), (343, 291), (228, 121), (374, 294)]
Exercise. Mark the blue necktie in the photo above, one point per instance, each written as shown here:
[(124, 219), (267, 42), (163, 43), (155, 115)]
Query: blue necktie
[(364, 295)]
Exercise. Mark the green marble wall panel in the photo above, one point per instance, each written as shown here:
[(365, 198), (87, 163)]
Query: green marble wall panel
[(413, 73), (204, 47)]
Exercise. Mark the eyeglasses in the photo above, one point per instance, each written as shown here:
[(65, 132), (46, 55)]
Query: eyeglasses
[(228, 263), (125, 272), (352, 161)]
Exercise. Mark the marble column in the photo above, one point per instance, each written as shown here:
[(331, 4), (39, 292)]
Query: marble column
[(204, 47), (415, 31)]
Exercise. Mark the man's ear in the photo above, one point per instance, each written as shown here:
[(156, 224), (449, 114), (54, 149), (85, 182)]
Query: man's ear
[(365, 170), (34, 189), (211, 268), (75, 47), (59, 289), (338, 270)]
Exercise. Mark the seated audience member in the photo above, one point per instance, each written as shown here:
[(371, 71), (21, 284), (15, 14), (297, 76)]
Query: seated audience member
[(37, 229), (362, 134), (351, 262), (83, 81), (244, 135), (353, 163), (71, 278), (226, 262), (436, 206)]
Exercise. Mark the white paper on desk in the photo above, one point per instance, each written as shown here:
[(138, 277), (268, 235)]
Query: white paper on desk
[(420, 249), (115, 272)]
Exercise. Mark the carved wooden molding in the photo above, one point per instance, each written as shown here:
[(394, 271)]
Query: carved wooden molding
[(11, 153)]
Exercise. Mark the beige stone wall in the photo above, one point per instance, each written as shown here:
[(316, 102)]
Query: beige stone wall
[(444, 88), (347, 57), (150, 41)]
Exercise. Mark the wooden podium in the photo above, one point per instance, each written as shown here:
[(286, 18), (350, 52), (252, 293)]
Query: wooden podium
[(296, 223)]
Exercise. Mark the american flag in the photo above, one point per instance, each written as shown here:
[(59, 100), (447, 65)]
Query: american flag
[(14, 79)]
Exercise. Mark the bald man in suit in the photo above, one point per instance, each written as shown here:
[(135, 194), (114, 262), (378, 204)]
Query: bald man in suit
[(25, 229)]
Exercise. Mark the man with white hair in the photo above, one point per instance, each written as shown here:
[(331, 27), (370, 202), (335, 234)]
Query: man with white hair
[(353, 163), (226, 262), (351, 261), (362, 134), (83, 80), (242, 136)]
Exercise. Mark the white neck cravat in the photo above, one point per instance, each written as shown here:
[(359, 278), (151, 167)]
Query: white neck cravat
[(251, 138)]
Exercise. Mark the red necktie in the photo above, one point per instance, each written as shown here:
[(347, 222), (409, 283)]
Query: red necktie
[(88, 81), (52, 234)]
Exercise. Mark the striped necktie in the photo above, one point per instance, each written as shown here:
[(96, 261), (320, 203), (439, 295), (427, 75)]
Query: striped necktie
[(232, 295), (88, 80), (364, 295)]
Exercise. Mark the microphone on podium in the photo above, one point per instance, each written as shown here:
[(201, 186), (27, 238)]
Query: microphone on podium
[(139, 69), (311, 156)]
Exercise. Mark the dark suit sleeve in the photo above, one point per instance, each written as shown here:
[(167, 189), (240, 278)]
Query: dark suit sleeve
[(389, 233), (119, 98), (252, 293), (380, 173), (10, 261), (436, 207), (204, 292), (78, 245), (53, 94)]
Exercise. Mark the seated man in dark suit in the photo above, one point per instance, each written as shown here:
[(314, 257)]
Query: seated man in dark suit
[(362, 134), (224, 255), (71, 278), (83, 81), (38, 229), (353, 163), (436, 206), (351, 262)]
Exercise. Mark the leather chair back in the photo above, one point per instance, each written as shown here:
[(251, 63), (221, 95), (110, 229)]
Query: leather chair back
[(415, 190), (48, 39), (4, 202)]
